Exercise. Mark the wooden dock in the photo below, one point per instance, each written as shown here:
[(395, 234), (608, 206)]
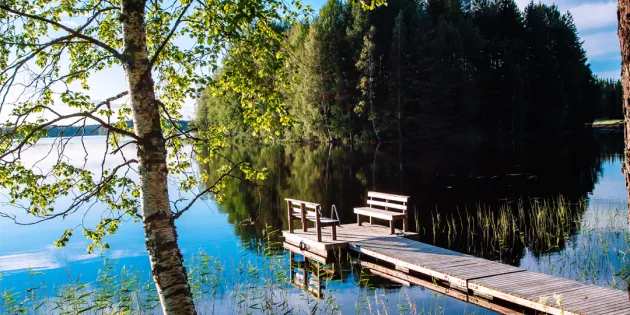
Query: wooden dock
[(475, 276)]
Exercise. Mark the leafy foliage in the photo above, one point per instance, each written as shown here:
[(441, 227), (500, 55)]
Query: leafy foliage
[(52, 50)]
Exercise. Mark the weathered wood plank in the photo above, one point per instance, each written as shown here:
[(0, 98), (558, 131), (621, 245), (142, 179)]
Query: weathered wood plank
[(446, 291), (485, 278), (380, 195), (307, 254), (390, 278), (387, 204), (307, 204), (379, 213)]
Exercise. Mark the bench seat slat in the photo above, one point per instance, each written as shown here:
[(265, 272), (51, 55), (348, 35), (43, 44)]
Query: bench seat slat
[(379, 214), (308, 213), (379, 195), (387, 204), (311, 217), (296, 203), (323, 220)]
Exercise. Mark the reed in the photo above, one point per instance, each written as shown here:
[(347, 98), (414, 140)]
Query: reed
[(255, 283), (555, 237)]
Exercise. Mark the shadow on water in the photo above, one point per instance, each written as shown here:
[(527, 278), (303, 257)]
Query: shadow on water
[(446, 180)]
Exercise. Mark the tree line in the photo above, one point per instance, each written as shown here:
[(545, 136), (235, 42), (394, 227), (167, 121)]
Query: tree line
[(610, 102), (424, 68)]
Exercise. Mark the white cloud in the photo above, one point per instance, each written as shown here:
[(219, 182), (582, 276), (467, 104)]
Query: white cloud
[(613, 74), (39, 260), (586, 15), (594, 15), (53, 258), (601, 44)]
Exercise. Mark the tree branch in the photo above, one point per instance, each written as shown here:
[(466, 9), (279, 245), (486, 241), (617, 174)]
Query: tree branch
[(78, 201), (168, 37), (75, 33), (205, 191)]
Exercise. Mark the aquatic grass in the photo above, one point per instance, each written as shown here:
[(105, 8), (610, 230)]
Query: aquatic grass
[(576, 240), (257, 282), (113, 292)]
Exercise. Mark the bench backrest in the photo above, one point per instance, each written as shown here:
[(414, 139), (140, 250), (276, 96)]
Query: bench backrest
[(295, 206), (389, 202)]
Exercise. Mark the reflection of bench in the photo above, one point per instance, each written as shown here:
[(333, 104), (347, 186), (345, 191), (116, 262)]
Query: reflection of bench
[(308, 211), (386, 207)]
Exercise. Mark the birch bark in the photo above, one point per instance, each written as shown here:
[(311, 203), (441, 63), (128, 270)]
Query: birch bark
[(169, 273)]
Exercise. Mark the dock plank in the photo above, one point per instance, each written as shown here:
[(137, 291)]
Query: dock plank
[(528, 289), (576, 298)]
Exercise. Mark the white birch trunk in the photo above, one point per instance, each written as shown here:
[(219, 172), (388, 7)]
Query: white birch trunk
[(169, 273)]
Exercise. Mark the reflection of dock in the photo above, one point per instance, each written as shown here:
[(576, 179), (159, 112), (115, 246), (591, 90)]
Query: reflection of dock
[(493, 285), (310, 272)]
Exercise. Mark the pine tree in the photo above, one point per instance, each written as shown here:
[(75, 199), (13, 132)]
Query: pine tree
[(367, 67), (398, 65)]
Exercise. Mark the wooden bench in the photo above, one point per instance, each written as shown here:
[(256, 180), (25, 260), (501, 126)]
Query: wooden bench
[(308, 211), (386, 207)]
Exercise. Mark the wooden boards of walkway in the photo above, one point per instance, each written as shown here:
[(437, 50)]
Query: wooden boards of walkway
[(346, 234), (486, 278)]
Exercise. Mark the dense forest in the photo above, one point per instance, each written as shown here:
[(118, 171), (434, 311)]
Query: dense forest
[(418, 69), (609, 105)]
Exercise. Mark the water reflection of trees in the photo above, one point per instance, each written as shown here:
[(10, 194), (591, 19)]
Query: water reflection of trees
[(449, 178)]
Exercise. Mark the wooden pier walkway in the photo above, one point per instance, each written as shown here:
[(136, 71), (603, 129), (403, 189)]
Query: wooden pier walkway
[(479, 277)]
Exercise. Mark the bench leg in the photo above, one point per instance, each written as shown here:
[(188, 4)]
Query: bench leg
[(359, 219), (391, 227), (319, 233), (305, 270), (371, 221), (292, 265), (290, 224), (405, 224), (334, 232)]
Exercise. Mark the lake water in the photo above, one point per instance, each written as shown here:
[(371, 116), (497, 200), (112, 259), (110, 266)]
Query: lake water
[(454, 186)]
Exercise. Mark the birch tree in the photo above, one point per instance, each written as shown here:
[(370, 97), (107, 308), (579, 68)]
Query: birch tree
[(166, 52)]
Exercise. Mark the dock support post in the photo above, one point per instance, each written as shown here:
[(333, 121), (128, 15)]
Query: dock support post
[(391, 227), (359, 219), (292, 265), (305, 270)]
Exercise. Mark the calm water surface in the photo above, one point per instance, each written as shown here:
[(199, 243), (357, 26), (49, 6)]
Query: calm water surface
[(449, 180)]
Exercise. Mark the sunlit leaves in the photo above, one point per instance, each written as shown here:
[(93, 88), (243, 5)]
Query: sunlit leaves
[(58, 46), (371, 4), (63, 240)]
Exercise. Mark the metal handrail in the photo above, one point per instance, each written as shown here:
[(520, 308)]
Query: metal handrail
[(333, 213)]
